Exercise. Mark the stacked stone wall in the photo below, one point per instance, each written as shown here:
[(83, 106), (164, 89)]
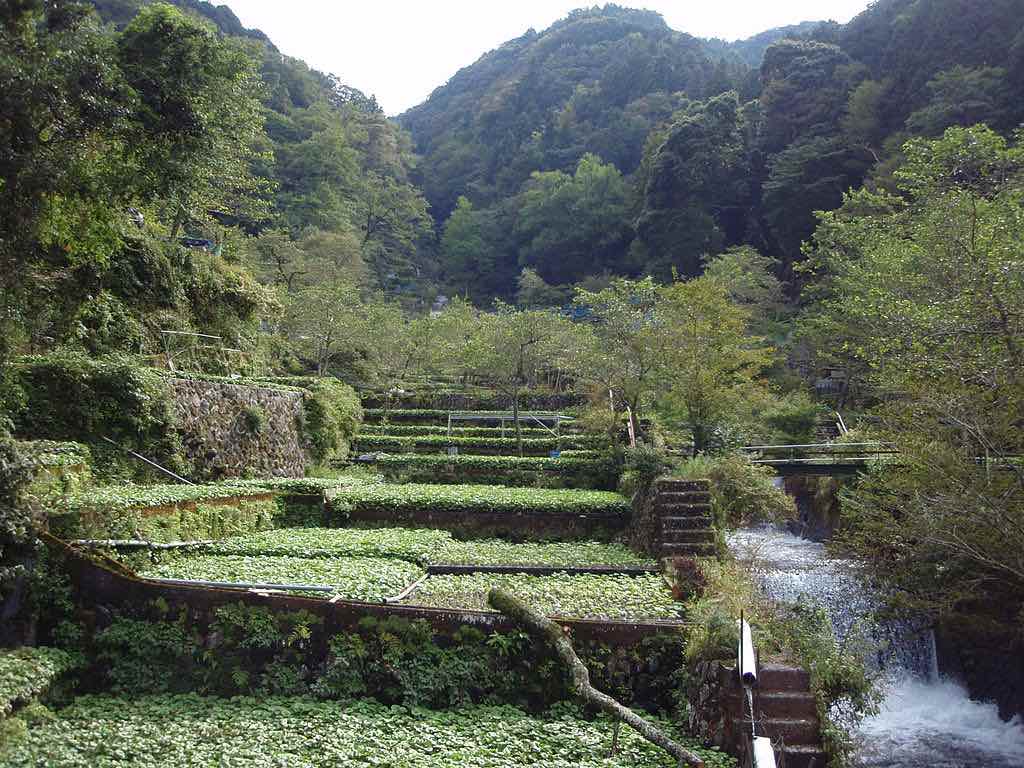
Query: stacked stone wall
[(232, 430)]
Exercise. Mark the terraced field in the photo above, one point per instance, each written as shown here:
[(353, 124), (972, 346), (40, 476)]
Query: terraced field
[(197, 732)]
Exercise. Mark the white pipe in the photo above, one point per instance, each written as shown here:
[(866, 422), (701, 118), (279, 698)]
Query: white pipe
[(746, 663), (764, 755)]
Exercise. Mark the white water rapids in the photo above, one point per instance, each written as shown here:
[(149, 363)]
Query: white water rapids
[(925, 721)]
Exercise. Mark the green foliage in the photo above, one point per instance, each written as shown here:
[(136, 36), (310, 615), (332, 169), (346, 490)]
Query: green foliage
[(565, 471), (571, 226), (741, 492), (190, 731), (469, 499), (332, 416), (692, 176), (403, 430), (17, 519), (423, 546), (632, 598), (254, 419), (919, 297), (353, 578), (474, 445), (27, 673), (161, 512), (73, 397), (641, 467)]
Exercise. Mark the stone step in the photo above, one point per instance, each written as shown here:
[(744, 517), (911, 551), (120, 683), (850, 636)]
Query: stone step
[(680, 510), (803, 756), (795, 732), (685, 497), (688, 523), (692, 536), (803, 731), (786, 704), (670, 549), (683, 485), (781, 677)]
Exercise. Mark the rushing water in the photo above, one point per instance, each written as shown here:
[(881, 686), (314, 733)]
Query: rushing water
[(925, 721)]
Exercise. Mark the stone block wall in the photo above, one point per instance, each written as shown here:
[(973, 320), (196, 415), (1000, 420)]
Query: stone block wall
[(233, 430)]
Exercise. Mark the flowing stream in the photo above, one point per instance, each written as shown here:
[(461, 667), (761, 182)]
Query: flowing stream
[(925, 721)]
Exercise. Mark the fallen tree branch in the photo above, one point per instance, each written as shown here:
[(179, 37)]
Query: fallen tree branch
[(552, 633)]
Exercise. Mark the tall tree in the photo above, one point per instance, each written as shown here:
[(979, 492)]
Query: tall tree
[(923, 295)]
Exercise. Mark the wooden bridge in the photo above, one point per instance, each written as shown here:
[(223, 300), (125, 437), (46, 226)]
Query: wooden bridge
[(831, 459)]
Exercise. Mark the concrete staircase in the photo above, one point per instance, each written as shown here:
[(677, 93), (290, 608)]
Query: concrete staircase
[(684, 518)]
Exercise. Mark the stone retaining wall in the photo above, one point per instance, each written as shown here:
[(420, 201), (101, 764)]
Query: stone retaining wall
[(232, 430)]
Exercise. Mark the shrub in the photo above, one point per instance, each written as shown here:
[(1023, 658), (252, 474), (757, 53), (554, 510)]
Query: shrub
[(254, 419), (17, 525), (332, 415), (73, 397), (474, 445), (26, 673), (741, 492), (642, 465)]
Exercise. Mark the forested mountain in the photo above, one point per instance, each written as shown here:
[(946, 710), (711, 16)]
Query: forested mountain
[(683, 148)]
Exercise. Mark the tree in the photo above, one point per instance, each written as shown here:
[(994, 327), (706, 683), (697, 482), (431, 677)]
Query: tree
[(749, 280), (464, 251), (712, 366), (511, 347), (624, 348), (691, 181), (533, 293), (326, 320), (62, 164), (196, 119), (923, 295), (571, 225), (962, 96)]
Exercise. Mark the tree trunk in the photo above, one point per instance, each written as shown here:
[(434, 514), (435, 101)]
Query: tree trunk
[(515, 418), (554, 636)]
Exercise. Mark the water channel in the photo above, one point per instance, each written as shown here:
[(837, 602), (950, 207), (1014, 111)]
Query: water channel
[(925, 721)]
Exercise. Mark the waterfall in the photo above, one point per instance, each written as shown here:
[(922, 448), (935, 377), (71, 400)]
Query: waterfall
[(925, 721)]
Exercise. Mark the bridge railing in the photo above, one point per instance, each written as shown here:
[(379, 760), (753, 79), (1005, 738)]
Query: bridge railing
[(819, 452)]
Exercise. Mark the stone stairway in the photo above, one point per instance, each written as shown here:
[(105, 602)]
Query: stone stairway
[(786, 712), (684, 518)]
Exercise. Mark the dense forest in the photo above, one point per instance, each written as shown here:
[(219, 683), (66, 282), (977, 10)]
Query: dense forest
[(681, 147), (717, 243)]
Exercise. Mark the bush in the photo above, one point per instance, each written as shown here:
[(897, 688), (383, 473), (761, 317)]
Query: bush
[(641, 467), (26, 673), (74, 397), (792, 419), (17, 525), (332, 415), (741, 492)]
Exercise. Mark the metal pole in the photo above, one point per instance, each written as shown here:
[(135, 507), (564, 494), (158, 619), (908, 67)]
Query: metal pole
[(139, 456)]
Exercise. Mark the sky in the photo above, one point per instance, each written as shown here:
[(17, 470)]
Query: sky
[(400, 50)]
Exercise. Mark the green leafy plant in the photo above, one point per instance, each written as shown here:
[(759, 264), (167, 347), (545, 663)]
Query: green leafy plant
[(193, 731), (354, 578), (584, 596), (479, 498)]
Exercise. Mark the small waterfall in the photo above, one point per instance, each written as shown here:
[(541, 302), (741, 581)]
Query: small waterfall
[(925, 721)]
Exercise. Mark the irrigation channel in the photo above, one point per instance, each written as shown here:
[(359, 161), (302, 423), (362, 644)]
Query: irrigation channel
[(924, 720)]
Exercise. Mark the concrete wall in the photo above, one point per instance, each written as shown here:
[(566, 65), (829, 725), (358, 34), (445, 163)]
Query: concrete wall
[(215, 421)]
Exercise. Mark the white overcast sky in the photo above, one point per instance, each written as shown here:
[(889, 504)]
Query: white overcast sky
[(400, 50)]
